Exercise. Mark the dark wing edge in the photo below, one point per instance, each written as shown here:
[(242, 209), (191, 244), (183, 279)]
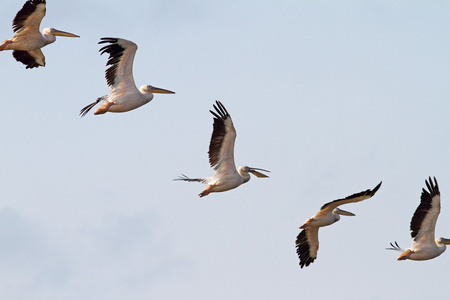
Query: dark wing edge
[(425, 205), (27, 9), (369, 193), (185, 178), (219, 133), (395, 246), (87, 108), (25, 58), (115, 54), (303, 249)]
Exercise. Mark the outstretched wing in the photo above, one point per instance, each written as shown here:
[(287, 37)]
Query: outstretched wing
[(350, 199), (221, 146), (424, 220), (30, 58), (307, 245), (30, 16), (119, 75)]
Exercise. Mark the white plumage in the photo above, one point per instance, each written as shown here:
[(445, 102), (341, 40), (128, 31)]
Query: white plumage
[(423, 223), (307, 242), (124, 95), (28, 41), (221, 157)]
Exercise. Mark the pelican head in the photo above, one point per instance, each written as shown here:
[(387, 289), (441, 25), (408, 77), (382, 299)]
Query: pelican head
[(442, 241), (343, 212), (57, 32), (254, 171), (154, 89)]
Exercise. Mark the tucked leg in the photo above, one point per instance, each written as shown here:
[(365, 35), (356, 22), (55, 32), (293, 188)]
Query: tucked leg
[(104, 108), (207, 190), (405, 254), (3, 46)]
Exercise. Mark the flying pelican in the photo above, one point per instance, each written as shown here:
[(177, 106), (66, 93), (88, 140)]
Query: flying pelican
[(221, 157), (123, 96), (28, 41), (307, 242), (423, 223)]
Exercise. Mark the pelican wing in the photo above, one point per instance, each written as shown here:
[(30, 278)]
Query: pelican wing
[(221, 146), (31, 58), (185, 178), (307, 245), (328, 207), (119, 75), (30, 16), (424, 220), (88, 107)]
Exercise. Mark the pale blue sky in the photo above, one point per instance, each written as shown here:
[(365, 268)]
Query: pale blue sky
[(331, 96)]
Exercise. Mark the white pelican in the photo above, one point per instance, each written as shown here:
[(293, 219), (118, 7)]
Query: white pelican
[(28, 41), (221, 157), (307, 242), (423, 223), (124, 95)]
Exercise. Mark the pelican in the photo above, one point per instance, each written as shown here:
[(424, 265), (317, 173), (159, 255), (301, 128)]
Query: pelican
[(124, 95), (221, 157), (28, 41), (307, 242), (423, 223)]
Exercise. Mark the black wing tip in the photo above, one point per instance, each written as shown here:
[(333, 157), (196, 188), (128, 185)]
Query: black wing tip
[(426, 201), (394, 246), (375, 189), (112, 48), (221, 112), (88, 107), (369, 192), (27, 9), (115, 52), (183, 177), (34, 2), (26, 58), (303, 249), (218, 134), (219, 104), (215, 115), (108, 40), (433, 188)]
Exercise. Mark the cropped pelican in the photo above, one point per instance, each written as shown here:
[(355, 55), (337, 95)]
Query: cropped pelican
[(221, 157), (124, 95), (423, 223), (307, 242), (28, 41)]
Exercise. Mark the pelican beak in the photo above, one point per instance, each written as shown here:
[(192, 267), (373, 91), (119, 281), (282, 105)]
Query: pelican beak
[(446, 241), (258, 174), (63, 33), (160, 91), (344, 212)]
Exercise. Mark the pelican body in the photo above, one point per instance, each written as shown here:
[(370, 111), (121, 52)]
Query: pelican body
[(28, 41), (307, 242), (423, 223), (124, 95), (221, 157)]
